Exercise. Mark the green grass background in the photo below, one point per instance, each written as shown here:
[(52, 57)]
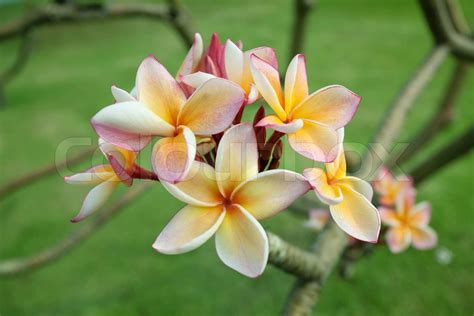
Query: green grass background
[(369, 46)]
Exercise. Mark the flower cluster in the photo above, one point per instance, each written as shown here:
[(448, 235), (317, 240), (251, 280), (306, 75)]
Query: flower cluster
[(226, 170), (407, 222)]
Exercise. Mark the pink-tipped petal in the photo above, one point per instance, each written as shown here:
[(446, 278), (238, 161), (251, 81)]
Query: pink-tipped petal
[(159, 91), (234, 62), (266, 54), (420, 215), (296, 83), (195, 80), (212, 107), (270, 192), (241, 242), (424, 238), (237, 158), (333, 106), (191, 227), (356, 216), (398, 239), (192, 59), (129, 125), (267, 81), (199, 188), (327, 193), (315, 141), (95, 199), (172, 157), (276, 124), (121, 95)]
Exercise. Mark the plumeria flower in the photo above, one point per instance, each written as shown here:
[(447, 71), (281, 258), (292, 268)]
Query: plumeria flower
[(225, 61), (105, 177), (349, 199), (162, 109), (408, 224), (311, 121), (318, 218), (389, 188), (228, 201)]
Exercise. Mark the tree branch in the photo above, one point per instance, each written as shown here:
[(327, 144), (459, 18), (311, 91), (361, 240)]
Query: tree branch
[(11, 267), (455, 149), (397, 112), (302, 8), (37, 174)]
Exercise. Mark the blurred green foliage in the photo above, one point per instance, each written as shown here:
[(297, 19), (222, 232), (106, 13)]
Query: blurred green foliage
[(369, 46)]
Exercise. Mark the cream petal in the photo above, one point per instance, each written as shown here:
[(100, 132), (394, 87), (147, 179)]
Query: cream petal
[(315, 141), (266, 54), (329, 194), (121, 95), (296, 84), (358, 185), (267, 81), (192, 59), (159, 91), (224, 97), (398, 239), (95, 199), (242, 243), (199, 188), (337, 168), (172, 157), (420, 215), (356, 216), (94, 175), (424, 238), (236, 158), (333, 106), (129, 125), (253, 94), (234, 62), (191, 227), (270, 192), (195, 80), (275, 123)]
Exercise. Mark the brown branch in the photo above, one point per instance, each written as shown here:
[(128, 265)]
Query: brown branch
[(35, 175), (302, 8), (390, 127), (24, 52), (11, 267), (444, 30), (455, 149), (440, 120)]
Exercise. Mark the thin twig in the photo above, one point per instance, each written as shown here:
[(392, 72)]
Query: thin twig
[(440, 120), (37, 174), (24, 52), (302, 8), (11, 267), (455, 149), (397, 112)]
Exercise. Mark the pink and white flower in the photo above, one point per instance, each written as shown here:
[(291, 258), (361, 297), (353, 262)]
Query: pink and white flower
[(228, 201), (161, 108), (349, 199), (225, 61), (389, 187), (408, 224), (311, 121)]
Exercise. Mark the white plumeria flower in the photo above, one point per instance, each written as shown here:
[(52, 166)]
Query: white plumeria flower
[(228, 201)]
